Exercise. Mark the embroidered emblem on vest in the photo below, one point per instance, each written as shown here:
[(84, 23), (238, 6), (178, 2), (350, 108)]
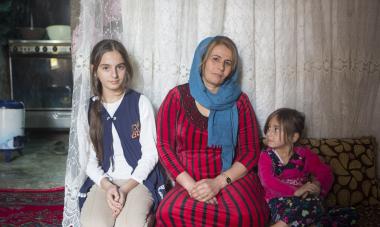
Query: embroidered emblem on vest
[(135, 130), (161, 191)]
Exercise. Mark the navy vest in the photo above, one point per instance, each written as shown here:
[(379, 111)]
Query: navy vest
[(127, 123)]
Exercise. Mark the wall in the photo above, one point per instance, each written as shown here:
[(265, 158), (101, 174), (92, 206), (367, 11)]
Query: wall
[(301, 54)]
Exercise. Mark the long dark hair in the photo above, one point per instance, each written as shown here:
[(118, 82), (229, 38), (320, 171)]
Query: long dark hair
[(290, 120), (96, 129)]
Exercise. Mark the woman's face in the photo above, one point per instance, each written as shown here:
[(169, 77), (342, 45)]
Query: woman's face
[(217, 68), (111, 71)]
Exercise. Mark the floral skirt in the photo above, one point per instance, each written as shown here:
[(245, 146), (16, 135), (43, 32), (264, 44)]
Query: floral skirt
[(296, 211)]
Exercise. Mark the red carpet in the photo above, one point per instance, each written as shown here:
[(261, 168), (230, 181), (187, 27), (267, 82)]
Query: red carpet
[(31, 207)]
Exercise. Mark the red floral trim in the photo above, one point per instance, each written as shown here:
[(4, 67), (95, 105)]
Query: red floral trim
[(192, 112)]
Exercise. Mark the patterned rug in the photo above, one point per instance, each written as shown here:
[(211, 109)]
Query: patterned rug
[(31, 207)]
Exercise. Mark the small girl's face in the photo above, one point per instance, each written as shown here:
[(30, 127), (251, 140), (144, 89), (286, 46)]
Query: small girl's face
[(111, 71), (275, 136)]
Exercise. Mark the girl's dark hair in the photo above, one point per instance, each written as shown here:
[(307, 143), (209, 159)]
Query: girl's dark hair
[(96, 128), (290, 120), (227, 42)]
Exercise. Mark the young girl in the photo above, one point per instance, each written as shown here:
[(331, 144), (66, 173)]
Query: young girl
[(123, 179), (294, 178)]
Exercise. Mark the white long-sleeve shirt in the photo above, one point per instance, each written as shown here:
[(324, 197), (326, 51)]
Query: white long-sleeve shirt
[(122, 170)]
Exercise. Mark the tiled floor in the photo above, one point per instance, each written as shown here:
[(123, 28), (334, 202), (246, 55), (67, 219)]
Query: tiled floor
[(42, 164)]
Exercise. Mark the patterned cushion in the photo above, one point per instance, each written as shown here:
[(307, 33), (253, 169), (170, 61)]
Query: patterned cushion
[(353, 162)]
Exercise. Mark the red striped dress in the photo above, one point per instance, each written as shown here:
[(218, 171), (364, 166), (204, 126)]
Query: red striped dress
[(182, 146)]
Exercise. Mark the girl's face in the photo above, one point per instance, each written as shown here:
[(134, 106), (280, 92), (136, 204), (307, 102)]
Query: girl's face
[(111, 72), (275, 136), (217, 68)]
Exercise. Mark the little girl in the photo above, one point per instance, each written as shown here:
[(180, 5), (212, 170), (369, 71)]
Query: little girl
[(123, 178), (294, 178)]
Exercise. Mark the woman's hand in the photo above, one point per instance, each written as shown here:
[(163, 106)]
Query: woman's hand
[(186, 181), (213, 200), (307, 189), (205, 190)]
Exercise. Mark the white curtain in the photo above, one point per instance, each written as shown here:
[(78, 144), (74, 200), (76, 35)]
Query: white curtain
[(321, 57)]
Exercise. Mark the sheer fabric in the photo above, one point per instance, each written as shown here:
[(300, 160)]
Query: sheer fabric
[(320, 57), (98, 19)]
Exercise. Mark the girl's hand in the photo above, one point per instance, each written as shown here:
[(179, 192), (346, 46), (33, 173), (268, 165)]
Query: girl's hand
[(317, 189), (121, 202), (113, 197), (307, 189), (205, 190), (123, 191), (126, 188)]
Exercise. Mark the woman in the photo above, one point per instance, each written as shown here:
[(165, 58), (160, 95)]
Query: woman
[(123, 179), (207, 140)]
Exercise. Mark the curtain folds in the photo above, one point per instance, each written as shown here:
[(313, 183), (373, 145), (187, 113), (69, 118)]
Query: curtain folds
[(321, 57)]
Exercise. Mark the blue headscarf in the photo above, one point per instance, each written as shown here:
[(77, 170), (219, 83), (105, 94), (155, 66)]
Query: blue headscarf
[(223, 118)]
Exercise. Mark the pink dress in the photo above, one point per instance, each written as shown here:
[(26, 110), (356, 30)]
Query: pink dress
[(283, 180), (280, 181)]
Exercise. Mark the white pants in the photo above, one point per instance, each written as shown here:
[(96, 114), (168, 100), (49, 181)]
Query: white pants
[(96, 212)]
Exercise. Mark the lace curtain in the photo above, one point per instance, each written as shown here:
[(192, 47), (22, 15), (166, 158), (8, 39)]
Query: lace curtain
[(320, 57)]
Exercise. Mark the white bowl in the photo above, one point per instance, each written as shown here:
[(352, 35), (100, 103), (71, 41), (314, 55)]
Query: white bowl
[(59, 32)]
